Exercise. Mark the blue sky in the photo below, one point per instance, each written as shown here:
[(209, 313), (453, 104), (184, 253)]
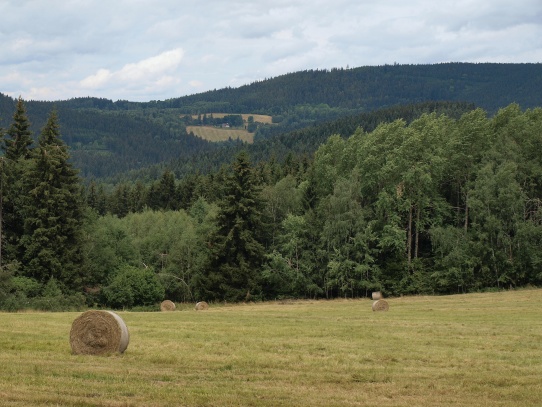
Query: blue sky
[(143, 50)]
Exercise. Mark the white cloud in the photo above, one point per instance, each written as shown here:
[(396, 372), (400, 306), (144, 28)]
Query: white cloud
[(98, 80), (154, 71), (151, 67), (195, 84)]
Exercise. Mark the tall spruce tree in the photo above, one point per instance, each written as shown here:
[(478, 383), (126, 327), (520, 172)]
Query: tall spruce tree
[(19, 140), (2, 182), (17, 151), (237, 246), (52, 212)]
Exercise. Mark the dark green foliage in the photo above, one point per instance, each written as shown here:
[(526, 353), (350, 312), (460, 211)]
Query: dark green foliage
[(488, 85), (19, 140), (52, 213), (434, 197), (14, 166), (108, 138), (237, 246)]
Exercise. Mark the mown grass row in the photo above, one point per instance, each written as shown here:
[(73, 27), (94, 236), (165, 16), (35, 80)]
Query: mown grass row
[(463, 350)]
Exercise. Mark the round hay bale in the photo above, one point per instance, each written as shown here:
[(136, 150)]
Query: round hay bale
[(380, 305), (98, 333), (377, 295), (202, 305), (167, 305)]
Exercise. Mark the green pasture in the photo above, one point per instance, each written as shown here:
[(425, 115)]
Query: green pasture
[(462, 350)]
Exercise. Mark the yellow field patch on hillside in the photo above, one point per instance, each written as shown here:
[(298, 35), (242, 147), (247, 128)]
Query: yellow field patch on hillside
[(219, 134), (260, 118)]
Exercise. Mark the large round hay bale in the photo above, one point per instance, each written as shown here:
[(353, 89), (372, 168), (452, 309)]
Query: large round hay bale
[(167, 305), (202, 305), (98, 332), (377, 295), (380, 305)]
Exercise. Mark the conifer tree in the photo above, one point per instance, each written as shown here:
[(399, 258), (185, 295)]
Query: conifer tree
[(52, 212), (19, 140), (238, 251), (17, 150), (166, 191)]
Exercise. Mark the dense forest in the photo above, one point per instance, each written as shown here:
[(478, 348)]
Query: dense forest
[(438, 202), (110, 139)]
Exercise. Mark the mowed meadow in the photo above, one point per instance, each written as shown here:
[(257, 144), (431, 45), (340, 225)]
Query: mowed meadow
[(461, 350), (214, 134)]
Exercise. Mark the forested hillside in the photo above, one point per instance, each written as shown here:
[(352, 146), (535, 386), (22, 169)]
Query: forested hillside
[(389, 178), (427, 204), (107, 138), (437, 205), (304, 142), (488, 85)]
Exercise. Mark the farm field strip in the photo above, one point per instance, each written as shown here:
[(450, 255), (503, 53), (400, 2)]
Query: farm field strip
[(260, 118), (218, 134)]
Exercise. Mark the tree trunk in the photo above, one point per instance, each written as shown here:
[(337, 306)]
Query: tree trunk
[(466, 223), (409, 237), (417, 238)]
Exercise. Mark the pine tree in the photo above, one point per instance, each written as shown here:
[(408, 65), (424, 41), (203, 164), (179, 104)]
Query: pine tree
[(52, 213), (238, 251)]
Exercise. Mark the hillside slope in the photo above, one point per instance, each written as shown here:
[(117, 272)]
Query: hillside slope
[(107, 138)]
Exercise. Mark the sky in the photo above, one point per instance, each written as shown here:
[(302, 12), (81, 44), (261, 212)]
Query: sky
[(142, 50)]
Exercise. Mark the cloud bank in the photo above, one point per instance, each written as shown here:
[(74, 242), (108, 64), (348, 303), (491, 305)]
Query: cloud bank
[(144, 50)]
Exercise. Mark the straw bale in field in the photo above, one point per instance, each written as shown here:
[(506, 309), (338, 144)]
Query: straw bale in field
[(380, 305), (377, 295), (202, 305), (98, 332), (167, 305)]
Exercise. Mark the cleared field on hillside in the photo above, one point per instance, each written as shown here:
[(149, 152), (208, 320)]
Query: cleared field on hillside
[(260, 118), (218, 134), (463, 350)]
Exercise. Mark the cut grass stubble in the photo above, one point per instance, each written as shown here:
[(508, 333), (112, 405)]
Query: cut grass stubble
[(467, 350)]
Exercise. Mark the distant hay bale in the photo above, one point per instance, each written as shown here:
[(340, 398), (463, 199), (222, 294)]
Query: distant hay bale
[(380, 305), (98, 333), (377, 295), (202, 305), (167, 305)]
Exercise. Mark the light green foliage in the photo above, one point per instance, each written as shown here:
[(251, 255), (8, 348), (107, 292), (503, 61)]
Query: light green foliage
[(26, 286), (171, 243), (107, 247), (440, 204), (280, 200)]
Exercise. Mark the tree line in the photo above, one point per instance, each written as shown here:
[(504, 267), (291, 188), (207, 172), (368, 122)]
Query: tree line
[(436, 205)]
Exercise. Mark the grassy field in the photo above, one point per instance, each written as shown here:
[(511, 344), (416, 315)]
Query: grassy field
[(260, 118), (218, 134), (463, 350), (212, 133)]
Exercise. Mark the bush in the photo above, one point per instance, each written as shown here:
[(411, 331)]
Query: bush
[(133, 287)]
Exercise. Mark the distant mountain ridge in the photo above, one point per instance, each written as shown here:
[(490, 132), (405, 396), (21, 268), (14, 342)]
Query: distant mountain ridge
[(107, 138), (488, 85)]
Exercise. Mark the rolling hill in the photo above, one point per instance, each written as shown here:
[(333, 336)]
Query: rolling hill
[(109, 138)]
